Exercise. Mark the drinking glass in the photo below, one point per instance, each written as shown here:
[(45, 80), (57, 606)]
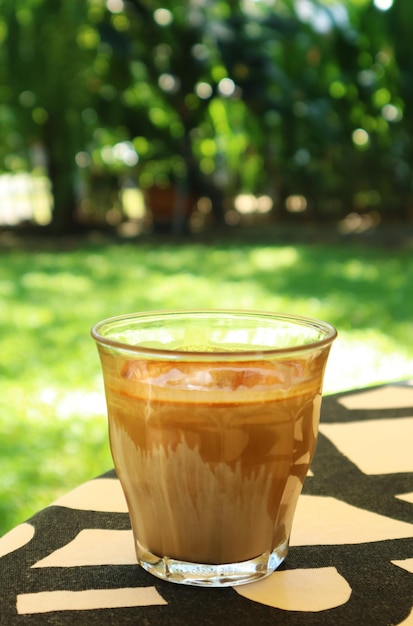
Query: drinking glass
[(213, 419)]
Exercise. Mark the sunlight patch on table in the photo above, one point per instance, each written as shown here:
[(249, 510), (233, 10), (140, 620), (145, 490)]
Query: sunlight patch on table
[(102, 494), (91, 599), (16, 538), (310, 590), (406, 497), (324, 521), (375, 446), (406, 564), (94, 547), (389, 397)]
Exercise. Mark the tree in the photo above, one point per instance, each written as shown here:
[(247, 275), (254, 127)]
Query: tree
[(292, 99), (49, 52)]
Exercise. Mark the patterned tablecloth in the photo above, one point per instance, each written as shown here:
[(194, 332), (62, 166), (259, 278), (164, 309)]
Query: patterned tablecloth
[(350, 561)]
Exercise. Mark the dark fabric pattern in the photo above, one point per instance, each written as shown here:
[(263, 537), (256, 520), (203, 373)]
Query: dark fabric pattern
[(377, 572)]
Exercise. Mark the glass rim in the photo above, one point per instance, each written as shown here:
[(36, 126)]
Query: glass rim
[(329, 331)]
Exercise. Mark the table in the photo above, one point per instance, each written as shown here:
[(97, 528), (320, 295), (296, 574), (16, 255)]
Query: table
[(350, 561)]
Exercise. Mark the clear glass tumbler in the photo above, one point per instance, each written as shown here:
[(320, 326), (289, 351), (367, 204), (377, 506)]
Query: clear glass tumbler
[(213, 419)]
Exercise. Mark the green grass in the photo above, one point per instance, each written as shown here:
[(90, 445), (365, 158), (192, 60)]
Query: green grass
[(52, 414)]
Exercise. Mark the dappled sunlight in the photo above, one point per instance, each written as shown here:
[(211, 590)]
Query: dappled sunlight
[(268, 108), (25, 198), (270, 258), (70, 404), (53, 281), (357, 357), (296, 204), (248, 203), (52, 405), (359, 223), (248, 208)]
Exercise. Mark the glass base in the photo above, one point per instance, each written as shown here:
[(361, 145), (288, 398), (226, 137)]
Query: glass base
[(205, 575)]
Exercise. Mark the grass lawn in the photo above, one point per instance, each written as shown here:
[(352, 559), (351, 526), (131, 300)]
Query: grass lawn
[(52, 413)]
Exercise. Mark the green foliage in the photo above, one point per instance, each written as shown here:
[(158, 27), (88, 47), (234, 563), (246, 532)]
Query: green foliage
[(52, 411), (281, 97)]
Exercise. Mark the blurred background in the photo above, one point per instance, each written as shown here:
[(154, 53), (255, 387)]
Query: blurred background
[(192, 153), (184, 115)]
